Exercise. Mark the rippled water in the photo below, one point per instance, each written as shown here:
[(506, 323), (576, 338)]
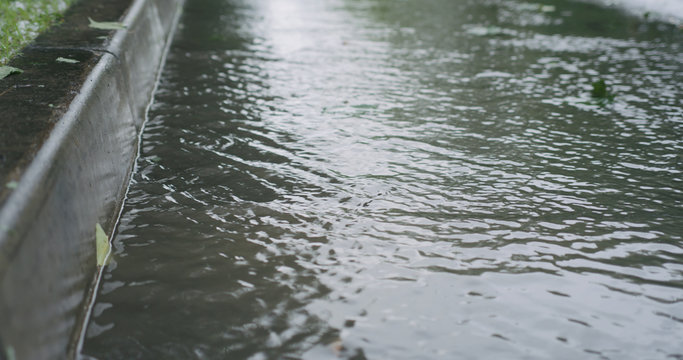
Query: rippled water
[(404, 180), (667, 10)]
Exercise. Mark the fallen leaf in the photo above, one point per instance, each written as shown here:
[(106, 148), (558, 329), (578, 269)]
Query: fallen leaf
[(102, 245), (6, 71), (66, 60), (599, 89), (12, 185), (106, 25), (10, 353)]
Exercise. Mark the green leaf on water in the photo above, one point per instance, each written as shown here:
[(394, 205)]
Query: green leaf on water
[(102, 245), (12, 185), (599, 89), (6, 71), (106, 25), (66, 60), (601, 95)]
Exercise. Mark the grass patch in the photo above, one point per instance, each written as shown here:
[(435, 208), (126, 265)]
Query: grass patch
[(21, 21)]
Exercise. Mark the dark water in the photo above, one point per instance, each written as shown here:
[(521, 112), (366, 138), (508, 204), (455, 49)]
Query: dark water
[(404, 180)]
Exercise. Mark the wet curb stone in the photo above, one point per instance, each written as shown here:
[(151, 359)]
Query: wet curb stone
[(68, 141)]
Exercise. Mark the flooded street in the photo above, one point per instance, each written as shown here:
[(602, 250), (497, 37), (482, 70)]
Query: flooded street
[(404, 180)]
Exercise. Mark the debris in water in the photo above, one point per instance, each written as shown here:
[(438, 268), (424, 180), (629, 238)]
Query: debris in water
[(337, 347), (599, 89), (600, 93)]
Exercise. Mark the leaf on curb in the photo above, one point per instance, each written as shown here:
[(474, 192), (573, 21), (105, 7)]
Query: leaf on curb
[(10, 353), (12, 185), (6, 71), (66, 60), (102, 244), (106, 25)]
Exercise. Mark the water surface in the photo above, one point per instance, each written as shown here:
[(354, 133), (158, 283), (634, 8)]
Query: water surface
[(404, 180)]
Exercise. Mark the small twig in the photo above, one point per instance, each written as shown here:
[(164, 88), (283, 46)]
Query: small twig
[(6, 91)]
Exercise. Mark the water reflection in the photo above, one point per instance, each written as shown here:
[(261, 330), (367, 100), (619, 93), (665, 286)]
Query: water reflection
[(404, 180)]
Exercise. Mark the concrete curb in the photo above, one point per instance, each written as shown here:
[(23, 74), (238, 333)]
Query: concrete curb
[(78, 178)]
